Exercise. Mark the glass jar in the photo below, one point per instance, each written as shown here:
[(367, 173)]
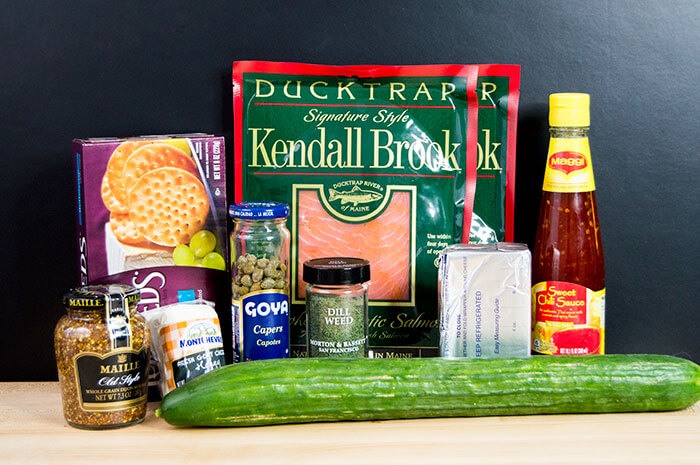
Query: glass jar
[(336, 307), (568, 267), (260, 280), (102, 352)]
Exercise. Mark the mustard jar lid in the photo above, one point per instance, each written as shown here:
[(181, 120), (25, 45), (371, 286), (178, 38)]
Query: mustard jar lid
[(95, 297)]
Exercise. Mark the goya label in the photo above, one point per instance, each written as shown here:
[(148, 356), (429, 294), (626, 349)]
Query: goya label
[(569, 319), (261, 326), (569, 166)]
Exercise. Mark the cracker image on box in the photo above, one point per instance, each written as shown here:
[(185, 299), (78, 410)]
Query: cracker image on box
[(157, 203)]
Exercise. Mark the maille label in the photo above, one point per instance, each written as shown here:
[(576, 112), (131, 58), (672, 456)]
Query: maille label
[(567, 161), (113, 381)]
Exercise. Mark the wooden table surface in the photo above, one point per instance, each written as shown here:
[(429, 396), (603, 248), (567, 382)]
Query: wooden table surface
[(33, 431)]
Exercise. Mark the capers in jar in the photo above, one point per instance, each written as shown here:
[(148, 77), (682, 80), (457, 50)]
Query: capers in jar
[(254, 274)]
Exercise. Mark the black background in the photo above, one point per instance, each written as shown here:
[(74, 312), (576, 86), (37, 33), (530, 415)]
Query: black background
[(92, 69)]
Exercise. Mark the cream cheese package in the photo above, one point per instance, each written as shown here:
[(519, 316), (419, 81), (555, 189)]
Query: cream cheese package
[(484, 300)]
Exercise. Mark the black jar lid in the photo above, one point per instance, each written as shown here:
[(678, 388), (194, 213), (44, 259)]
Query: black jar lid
[(336, 270), (94, 297)]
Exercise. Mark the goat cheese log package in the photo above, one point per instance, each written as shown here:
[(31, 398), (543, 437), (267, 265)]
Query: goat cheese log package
[(386, 163)]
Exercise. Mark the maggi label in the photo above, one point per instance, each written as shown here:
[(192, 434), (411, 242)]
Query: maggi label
[(567, 162), (569, 166)]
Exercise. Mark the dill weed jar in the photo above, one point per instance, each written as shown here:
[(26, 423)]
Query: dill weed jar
[(336, 307), (260, 280), (102, 349)]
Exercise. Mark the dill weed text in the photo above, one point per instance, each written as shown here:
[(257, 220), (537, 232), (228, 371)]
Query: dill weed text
[(336, 307)]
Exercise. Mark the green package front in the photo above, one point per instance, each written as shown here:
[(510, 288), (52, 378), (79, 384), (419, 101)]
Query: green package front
[(379, 163)]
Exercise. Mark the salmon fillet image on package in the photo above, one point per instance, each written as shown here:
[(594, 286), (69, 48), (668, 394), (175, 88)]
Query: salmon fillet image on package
[(319, 234), (384, 163)]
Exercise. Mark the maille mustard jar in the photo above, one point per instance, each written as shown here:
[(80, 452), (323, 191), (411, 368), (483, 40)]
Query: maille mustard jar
[(102, 346)]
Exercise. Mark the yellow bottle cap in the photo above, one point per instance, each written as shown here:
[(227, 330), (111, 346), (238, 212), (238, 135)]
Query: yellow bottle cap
[(569, 109)]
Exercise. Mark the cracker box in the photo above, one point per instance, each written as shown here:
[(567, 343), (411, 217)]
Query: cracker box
[(151, 213)]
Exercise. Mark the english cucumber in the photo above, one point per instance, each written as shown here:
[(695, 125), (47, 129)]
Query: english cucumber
[(305, 390)]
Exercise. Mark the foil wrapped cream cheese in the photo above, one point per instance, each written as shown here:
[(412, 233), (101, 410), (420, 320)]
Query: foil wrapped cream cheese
[(484, 300)]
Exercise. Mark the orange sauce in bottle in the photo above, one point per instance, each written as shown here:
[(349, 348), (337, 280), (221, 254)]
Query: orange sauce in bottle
[(568, 266)]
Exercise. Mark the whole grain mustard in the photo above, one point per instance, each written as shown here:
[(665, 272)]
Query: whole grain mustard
[(102, 348)]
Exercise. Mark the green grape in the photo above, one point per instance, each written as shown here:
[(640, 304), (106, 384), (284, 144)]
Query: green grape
[(183, 256), (202, 243), (214, 260)]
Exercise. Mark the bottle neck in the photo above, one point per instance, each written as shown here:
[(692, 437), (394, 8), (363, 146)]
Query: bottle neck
[(260, 221), (569, 132), (569, 168), (96, 315), (345, 289)]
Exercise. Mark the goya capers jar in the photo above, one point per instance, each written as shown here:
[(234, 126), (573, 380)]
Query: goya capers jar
[(260, 280), (102, 348)]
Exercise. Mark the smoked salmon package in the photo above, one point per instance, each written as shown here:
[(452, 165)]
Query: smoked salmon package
[(386, 163), (498, 95)]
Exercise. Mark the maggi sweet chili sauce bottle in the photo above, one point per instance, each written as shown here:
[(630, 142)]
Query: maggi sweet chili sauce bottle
[(568, 294)]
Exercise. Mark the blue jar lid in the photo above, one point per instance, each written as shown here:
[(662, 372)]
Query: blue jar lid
[(258, 210)]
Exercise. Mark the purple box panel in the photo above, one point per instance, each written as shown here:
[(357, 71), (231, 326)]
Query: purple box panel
[(140, 203)]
